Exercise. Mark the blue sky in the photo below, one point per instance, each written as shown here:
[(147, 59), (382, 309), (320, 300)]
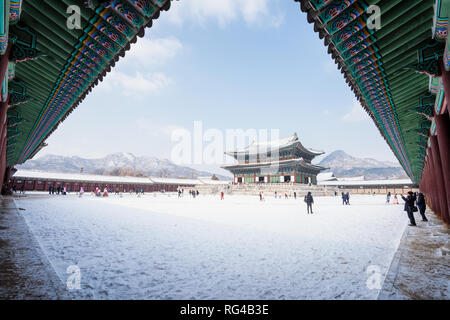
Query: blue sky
[(230, 64)]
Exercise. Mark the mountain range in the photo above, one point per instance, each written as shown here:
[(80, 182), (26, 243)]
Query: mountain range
[(120, 164), (124, 163), (345, 165)]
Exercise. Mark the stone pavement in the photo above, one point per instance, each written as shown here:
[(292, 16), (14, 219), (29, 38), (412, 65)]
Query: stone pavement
[(420, 269), (25, 272)]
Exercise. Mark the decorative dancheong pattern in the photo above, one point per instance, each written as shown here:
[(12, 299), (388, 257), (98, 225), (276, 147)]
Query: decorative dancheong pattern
[(108, 31)]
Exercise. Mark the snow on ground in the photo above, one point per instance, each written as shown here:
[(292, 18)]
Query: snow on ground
[(162, 247)]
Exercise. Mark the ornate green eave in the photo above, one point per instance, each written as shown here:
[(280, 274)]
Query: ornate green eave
[(52, 68), (388, 68)]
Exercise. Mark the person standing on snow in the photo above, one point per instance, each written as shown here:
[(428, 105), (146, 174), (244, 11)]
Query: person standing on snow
[(388, 197), (422, 206), (409, 207), (309, 201), (395, 201)]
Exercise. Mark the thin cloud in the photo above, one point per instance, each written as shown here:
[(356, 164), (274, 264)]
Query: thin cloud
[(154, 52), (137, 84), (223, 12), (356, 114), (147, 56), (154, 128), (326, 113)]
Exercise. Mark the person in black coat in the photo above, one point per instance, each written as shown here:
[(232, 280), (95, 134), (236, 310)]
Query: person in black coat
[(309, 201), (409, 205), (422, 206)]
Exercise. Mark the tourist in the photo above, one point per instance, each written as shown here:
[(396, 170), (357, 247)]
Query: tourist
[(64, 192), (275, 194), (388, 197), (309, 201), (81, 191), (410, 208), (347, 198), (395, 201), (422, 206), (295, 195), (179, 193), (285, 195), (343, 198), (221, 195)]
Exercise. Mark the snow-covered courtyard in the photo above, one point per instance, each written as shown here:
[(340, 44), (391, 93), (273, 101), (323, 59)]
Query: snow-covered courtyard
[(165, 247)]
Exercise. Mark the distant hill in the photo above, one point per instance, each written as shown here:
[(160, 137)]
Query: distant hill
[(345, 165), (118, 164)]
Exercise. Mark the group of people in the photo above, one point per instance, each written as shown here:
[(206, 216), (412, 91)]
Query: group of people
[(345, 198), (98, 192), (59, 190), (388, 198), (286, 196), (13, 189), (192, 193), (415, 202)]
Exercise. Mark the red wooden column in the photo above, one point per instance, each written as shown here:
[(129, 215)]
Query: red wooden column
[(443, 138), (432, 185), (424, 181), (439, 179)]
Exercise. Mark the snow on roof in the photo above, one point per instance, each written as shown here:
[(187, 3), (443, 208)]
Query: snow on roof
[(326, 176), (29, 174), (401, 182), (176, 181), (264, 146), (210, 181), (78, 177), (359, 178)]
